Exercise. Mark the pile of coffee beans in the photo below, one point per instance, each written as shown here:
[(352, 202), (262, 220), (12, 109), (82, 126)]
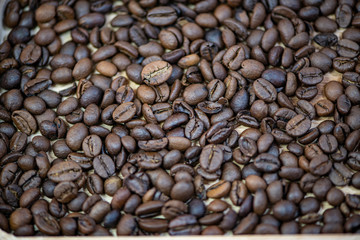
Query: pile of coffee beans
[(131, 126)]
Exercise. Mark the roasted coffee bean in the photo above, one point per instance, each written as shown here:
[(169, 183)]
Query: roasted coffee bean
[(265, 90), (324, 107), (343, 64), (162, 16), (340, 175), (310, 76), (347, 48), (156, 72), (64, 171), (124, 112), (65, 191), (266, 162), (47, 223), (326, 39), (298, 125), (211, 158), (328, 143), (104, 166)]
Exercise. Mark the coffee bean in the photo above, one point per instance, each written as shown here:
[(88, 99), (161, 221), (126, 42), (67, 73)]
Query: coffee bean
[(324, 107), (310, 76), (284, 210), (211, 158), (124, 112), (24, 121), (343, 64), (247, 224), (298, 125), (91, 145), (347, 48), (306, 93), (162, 16), (65, 191), (340, 175), (266, 162), (64, 171), (156, 72), (47, 223), (265, 90), (353, 201), (104, 166)]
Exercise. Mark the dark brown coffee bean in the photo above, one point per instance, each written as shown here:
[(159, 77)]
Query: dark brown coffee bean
[(211, 158), (247, 146), (265, 90), (64, 192), (64, 171), (324, 107), (310, 76), (104, 166), (298, 125), (320, 165), (306, 93), (347, 48), (124, 112), (353, 201), (47, 223), (328, 143), (343, 64), (162, 16), (24, 121), (156, 72), (266, 162), (340, 175), (247, 224), (284, 210)]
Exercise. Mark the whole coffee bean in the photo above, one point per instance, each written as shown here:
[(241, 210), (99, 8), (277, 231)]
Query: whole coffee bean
[(333, 90), (266, 162), (274, 76), (284, 210), (124, 112), (149, 160), (298, 125), (24, 121), (162, 16), (321, 61), (324, 107), (47, 224), (156, 72), (251, 69), (104, 166), (320, 165), (64, 171), (91, 145), (310, 76), (211, 158), (353, 201), (265, 90), (326, 25), (340, 175), (247, 224), (306, 93), (328, 143), (343, 64), (347, 48), (65, 191)]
